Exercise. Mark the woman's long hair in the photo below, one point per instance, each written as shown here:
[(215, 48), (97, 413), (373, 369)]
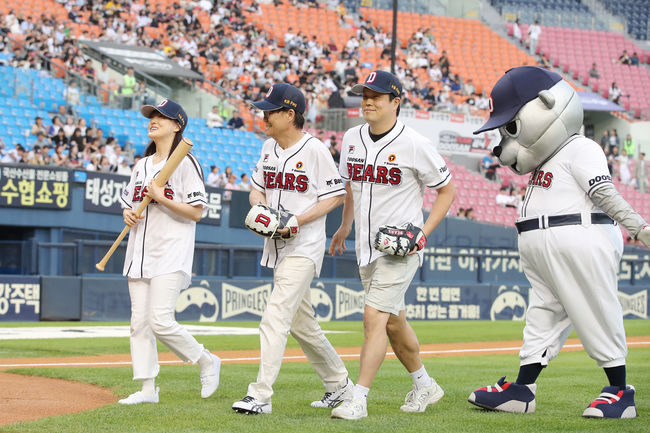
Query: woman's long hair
[(151, 147)]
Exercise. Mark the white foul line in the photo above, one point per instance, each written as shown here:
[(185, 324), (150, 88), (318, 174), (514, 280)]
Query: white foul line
[(296, 357)]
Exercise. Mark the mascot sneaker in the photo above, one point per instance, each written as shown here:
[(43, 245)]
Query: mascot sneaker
[(613, 402), (505, 397), (351, 409), (333, 399), (417, 400), (251, 406), (140, 397), (210, 378)]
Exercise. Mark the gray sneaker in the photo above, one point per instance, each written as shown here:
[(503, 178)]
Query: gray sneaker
[(332, 399), (417, 400)]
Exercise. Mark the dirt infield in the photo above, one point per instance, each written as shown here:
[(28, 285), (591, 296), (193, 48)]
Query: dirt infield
[(18, 402)]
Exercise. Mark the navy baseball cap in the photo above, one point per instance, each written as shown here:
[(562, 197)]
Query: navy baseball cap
[(380, 81), (167, 108), (282, 95), (515, 89)]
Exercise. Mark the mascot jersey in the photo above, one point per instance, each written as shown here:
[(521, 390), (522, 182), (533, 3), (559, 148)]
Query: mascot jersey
[(565, 183)]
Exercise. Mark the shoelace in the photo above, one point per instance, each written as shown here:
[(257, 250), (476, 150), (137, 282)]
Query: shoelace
[(609, 398), (326, 396), (248, 399)]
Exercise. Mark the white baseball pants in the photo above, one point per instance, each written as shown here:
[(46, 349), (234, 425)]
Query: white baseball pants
[(289, 310), (152, 316), (572, 271)]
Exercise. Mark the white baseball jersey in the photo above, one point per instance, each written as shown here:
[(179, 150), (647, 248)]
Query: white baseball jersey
[(162, 242), (388, 179), (564, 183), (296, 179)]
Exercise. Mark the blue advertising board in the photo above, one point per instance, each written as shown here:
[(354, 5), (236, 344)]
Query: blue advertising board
[(20, 298)]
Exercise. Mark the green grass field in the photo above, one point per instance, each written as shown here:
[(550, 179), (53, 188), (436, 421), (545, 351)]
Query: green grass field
[(564, 389)]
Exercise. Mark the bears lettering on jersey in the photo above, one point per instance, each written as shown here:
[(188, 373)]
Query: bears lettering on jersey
[(380, 174), (139, 193), (541, 178), (286, 181)]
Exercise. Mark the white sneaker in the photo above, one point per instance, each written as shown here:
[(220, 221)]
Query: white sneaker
[(333, 399), (251, 406), (351, 409), (417, 400), (140, 397), (210, 379)]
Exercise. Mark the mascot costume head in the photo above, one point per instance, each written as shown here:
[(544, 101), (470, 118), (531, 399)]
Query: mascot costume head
[(536, 111)]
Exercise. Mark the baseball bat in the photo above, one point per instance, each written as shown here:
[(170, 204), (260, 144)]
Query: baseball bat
[(161, 179)]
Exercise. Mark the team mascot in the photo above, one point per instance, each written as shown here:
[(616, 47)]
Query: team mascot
[(569, 240)]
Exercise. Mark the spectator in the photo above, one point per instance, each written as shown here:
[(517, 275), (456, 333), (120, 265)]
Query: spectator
[(60, 158), (60, 139), (81, 124), (78, 140), (129, 84), (232, 182), (489, 167), (533, 36), (461, 213), (641, 173), (223, 178), (38, 126), (504, 198), (634, 60), (41, 140), (613, 139), (469, 214), (624, 168), (624, 58), (516, 31), (72, 96), (236, 122), (214, 176), (593, 72), (614, 93), (103, 76), (124, 168), (628, 146), (245, 184), (69, 127), (15, 155), (543, 62), (214, 120), (55, 126), (604, 141)]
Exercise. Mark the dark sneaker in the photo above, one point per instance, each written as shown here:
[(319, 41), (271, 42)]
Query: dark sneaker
[(505, 397), (251, 406), (612, 402)]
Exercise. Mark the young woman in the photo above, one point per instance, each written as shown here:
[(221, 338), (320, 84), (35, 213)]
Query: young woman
[(160, 251)]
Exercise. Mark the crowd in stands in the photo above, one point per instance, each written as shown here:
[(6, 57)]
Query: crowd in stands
[(623, 161), (68, 142), (249, 60)]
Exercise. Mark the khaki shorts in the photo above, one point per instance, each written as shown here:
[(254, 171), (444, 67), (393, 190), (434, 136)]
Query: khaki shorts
[(385, 281)]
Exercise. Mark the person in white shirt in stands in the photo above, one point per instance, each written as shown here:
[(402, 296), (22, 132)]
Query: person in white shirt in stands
[(245, 184), (516, 31), (214, 176), (214, 120), (533, 33)]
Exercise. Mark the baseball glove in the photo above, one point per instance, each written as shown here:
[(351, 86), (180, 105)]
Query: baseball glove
[(266, 221), (399, 241)]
